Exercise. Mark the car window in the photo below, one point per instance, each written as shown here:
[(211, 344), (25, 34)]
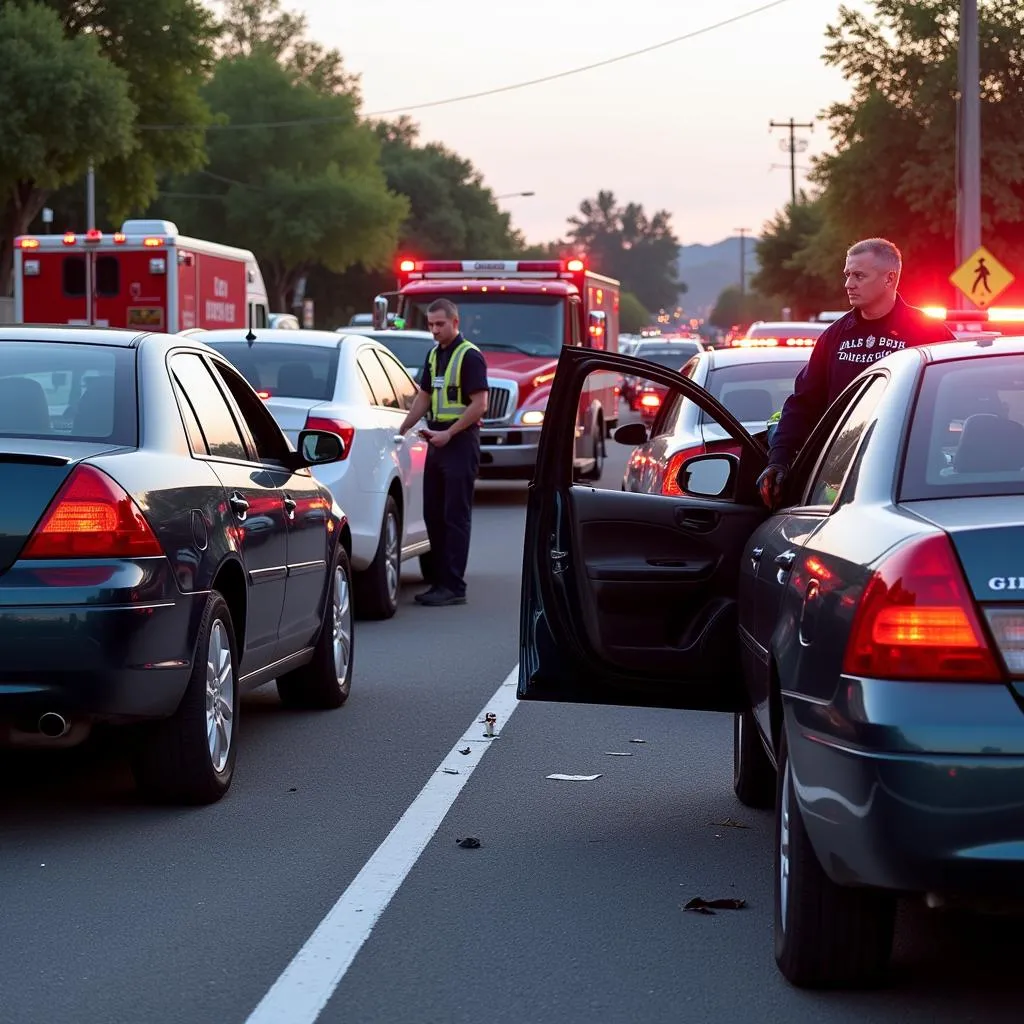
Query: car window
[(266, 435), (828, 481), (211, 409), (754, 392), (404, 387), (967, 431), (68, 391), (196, 440), (284, 369), (410, 351), (377, 379), (673, 356)]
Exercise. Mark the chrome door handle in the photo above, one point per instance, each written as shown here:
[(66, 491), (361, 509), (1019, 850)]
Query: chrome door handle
[(289, 508), (786, 559), (755, 555), (239, 504), (399, 439)]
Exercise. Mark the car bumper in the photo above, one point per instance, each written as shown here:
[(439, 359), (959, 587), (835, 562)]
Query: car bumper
[(914, 787), (115, 650), (505, 450)]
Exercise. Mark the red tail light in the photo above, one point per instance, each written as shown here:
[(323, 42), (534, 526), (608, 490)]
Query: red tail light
[(916, 620), (650, 400), (344, 430), (92, 517), (669, 483)]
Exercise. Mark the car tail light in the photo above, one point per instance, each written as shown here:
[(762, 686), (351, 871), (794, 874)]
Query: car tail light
[(344, 430), (916, 620), (650, 400), (92, 517), (669, 482)]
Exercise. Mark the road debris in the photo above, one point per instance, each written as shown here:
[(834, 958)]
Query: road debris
[(489, 721), (730, 823), (699, 905), (466, 750), (469, 843), (450, 771), (618, 753), (638, 741), (574, 778)]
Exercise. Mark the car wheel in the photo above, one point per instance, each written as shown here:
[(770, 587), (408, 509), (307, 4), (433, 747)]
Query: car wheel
[(189, 758), (826, 935), (753, 777), (594, 473), (377, 586), (325, 681)]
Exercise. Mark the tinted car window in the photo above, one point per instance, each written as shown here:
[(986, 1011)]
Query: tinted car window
[(266, 435), (69, 391), (410, 351), (285, 369), (210, 407), (753, 392), (404, 388), (383, 392), (967, 431), (673, 356)]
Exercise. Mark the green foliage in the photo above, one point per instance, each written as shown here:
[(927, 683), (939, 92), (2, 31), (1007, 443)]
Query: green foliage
[(64, 106), (732, 308), (632, 315), (624, 243)]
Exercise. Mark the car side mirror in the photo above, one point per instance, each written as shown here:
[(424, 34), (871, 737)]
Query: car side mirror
[(317, 447), (708, 476), (380, 313), (631, 434)]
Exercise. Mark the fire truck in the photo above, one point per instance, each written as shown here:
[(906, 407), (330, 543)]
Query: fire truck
[(146, 276), (520, 313)]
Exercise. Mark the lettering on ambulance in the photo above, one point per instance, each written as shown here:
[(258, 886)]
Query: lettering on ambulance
[(869, 349), (222, 293), (218, 309)]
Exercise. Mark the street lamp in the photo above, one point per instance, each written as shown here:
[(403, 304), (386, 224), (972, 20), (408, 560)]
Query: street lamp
[(515, 195)]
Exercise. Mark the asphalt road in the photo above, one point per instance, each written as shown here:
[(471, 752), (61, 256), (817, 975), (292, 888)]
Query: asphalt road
[(570, 911)]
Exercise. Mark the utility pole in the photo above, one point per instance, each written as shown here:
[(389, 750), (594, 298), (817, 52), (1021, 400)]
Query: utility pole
[(743, 260), (90, 198), (968, 172), (793, 148)]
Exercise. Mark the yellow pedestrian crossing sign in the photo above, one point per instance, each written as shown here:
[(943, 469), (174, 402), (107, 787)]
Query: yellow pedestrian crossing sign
[(982, 278)]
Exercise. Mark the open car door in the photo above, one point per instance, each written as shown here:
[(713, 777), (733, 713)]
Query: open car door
[(630, 598)]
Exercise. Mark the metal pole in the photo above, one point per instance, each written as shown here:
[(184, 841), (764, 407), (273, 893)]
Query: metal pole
[(743, 261), (792, 125), (968, 199), (90, 255), (90, 198)]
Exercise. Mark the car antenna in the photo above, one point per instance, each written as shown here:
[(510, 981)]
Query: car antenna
[(250, 337)]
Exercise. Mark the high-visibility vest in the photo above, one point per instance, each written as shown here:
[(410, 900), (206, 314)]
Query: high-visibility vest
[(446, 404)]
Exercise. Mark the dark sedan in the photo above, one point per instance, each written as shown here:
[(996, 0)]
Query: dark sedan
[(163, 549), (877, 684)]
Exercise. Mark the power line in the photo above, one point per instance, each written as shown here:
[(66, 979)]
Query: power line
[(472, 95)]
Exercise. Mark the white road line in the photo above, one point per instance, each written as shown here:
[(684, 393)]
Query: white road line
[(308, 982)]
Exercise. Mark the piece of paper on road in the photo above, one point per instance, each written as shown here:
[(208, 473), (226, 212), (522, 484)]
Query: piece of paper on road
[(574, 778)]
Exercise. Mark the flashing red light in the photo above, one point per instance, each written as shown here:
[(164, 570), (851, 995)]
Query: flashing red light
[(344, 430), (650, 401), (94, 235), (28, 243), (263, 394), (407, 266), (120, 236), (574, 266), (152, 242), (70, 238)]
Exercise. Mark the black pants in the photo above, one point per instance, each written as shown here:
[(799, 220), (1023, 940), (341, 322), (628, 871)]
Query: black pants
[(448, 479)]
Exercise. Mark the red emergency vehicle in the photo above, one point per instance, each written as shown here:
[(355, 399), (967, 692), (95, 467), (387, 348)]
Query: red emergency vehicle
[(146, 275), (521, 313)]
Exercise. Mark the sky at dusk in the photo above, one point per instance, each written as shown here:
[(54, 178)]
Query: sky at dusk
[(685, 128)]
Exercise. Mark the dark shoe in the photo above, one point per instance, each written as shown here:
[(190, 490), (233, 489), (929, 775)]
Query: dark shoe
[(420, 598), (442, 598)]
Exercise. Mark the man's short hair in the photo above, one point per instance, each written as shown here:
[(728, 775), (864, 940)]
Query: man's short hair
[(882, 249), (445, 306)]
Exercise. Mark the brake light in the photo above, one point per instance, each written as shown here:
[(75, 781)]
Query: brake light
[(91, 516), (344, 430), (669, 482), (916, 620), (650, 400), (265, 395)]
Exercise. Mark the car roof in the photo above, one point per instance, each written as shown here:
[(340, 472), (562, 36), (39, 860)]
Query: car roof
[(322, 339), (977, 348), (720, 357), (378, 332), (788, 325), (121, 337)]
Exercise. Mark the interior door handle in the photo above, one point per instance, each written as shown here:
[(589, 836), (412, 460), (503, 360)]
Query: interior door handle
[(239, 504), (289, 508), (785, 560), (700, 520)]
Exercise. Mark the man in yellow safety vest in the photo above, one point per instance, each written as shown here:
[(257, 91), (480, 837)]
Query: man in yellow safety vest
[(453, 389)]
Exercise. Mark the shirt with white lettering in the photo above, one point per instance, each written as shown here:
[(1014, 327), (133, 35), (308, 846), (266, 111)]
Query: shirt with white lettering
[(843, 350)]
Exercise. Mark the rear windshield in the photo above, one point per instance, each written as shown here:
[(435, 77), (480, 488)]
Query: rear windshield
[(753, 392), (967, 433), (285, 369), (68, 391), (673, 356)]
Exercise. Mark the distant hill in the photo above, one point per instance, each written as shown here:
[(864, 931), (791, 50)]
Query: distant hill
[(707, 269)]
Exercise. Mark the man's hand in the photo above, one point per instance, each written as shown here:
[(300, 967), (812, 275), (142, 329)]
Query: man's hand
[(438, 438), (769, 483)]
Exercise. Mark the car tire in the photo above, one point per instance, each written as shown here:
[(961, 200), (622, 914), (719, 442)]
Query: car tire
[(826, 935), (753, 777), (324, 682), (175, 761), (377, 587), (594, 473)]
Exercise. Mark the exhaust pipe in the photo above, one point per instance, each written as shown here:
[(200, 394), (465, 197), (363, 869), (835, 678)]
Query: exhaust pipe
[(53, 725)]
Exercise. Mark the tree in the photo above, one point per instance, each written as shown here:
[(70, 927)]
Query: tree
[(622, 242), (733, 308), (789, 270), (633, 318), (306, 194), (894, 169), (65, 105)]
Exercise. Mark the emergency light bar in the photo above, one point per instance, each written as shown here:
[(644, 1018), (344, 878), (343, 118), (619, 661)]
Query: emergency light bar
[(91, 238), (423, 269), (994, 314)]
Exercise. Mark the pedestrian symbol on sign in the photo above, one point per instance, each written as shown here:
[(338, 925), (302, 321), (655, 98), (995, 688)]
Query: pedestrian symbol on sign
[(981, 276)]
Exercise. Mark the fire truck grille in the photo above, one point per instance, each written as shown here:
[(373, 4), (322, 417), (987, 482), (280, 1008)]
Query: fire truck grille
[(499, 403)]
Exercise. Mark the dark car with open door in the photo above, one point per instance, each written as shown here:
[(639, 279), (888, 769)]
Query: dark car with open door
[(877, 685)]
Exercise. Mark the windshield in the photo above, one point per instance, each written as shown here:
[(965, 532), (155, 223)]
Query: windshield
[(753, 392), (284, 370), (533, 325), (673, 356), (967, 432), (68, 391)]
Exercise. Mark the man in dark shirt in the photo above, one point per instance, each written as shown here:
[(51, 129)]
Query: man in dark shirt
[(879, 324), (453, 393)]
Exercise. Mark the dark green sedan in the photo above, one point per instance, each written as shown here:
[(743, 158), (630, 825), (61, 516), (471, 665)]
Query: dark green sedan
[(868, 637), (163, 549)]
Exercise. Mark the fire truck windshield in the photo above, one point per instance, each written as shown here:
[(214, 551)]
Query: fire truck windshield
[(531, 324)]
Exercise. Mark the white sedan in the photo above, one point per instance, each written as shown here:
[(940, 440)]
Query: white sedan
[(352, 385)]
